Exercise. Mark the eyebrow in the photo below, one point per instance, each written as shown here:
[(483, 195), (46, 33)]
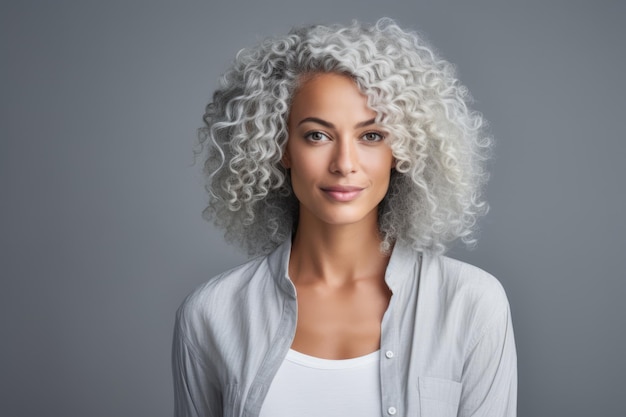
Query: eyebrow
[(331, 126)]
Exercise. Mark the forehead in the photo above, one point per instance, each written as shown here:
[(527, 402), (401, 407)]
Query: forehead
[(330, 96)]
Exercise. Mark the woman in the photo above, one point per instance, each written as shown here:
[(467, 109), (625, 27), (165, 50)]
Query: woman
[(347, 158)]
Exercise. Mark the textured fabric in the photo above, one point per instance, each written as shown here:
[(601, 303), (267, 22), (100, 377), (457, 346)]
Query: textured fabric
[(305, 386), (447, 345)]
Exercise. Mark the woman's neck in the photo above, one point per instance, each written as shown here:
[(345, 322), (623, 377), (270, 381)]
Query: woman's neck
[(336, 255)]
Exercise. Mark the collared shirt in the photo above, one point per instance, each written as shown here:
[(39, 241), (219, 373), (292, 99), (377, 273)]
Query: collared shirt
[(447, 346)]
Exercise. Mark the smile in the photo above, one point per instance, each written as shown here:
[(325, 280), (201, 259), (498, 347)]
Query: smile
[(342, 193)]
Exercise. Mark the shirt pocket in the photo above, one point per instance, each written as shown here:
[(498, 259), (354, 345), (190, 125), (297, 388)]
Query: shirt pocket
[(438, 397)]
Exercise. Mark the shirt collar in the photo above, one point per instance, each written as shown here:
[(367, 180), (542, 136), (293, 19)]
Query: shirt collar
[(278, 263), (404, 260)]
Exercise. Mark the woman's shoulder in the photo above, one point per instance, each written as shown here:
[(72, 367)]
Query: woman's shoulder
[(464, 297), (465, 287), (468, 277), (221, 288), (209, 313), (254, 287)]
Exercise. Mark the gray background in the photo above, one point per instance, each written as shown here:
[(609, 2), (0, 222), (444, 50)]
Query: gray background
[(101, 235)]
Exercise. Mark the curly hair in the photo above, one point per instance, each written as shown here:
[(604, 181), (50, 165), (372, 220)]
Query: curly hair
[(435, 194)]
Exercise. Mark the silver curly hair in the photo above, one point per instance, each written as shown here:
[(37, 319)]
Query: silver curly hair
[(435, 194)]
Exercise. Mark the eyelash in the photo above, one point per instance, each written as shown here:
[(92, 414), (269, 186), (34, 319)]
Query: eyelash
[(309, 136), (379, 139)]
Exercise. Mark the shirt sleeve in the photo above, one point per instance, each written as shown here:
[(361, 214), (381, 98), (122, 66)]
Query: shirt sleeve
[(195, 392), (490, 371)]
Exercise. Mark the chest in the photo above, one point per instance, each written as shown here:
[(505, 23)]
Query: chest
[(340, 323)]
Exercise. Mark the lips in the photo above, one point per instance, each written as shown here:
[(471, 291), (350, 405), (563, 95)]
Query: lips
[(342, 192)]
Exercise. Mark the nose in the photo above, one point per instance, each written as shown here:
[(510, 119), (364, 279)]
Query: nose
[(345, 158)]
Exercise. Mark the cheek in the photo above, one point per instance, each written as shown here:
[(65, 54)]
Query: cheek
[(301, 179), (305, 168), (379, 164), (297, 167)]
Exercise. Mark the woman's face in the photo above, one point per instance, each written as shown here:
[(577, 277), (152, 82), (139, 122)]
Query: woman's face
[(340, 165)]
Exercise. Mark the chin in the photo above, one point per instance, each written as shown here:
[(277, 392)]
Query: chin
[(343, 219)]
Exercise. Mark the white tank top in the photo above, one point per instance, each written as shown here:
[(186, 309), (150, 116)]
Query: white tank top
[(306, 386)]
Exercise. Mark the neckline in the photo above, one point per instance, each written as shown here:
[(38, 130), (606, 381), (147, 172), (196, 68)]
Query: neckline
[(309, 361)]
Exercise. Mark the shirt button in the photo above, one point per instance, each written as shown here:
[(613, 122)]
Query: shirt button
[(391, 411), (389, 354)]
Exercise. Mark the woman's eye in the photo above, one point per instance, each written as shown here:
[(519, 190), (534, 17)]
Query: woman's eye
[(372, 137), (316, 136)]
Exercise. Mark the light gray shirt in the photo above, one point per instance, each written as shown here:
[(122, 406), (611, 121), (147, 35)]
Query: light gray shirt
[(447, 346)]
